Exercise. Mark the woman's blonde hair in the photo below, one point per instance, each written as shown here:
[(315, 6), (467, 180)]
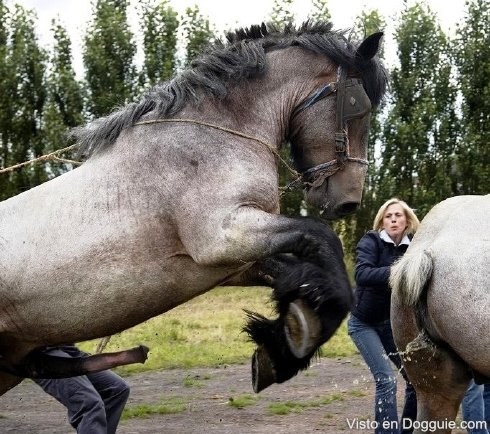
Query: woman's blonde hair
[(412, 220)]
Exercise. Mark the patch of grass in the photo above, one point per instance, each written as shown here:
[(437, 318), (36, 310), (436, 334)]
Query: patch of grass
[(195, 381), (242, 401), (340, 345), (282, 408), (358, 393), (170, 406), (331, 398), (206, 332)]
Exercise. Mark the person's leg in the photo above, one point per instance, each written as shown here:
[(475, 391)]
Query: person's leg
[(473, 407), (86, 411), (85, 407), (115, 392), (367, 340), (410, 402), (486, 403)]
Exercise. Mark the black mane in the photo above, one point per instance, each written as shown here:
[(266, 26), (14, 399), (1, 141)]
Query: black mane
[(241, 56)]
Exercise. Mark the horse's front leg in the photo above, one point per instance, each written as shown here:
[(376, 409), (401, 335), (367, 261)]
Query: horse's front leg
[(304, 260), (312, 303)]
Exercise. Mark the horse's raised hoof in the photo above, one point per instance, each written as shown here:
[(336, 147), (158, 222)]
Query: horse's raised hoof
[(263, 372), (302, 328)]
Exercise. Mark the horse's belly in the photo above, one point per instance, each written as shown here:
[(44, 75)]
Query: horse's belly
[(70, 309)]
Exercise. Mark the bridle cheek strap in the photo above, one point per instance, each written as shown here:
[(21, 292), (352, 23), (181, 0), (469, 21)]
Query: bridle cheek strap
[(352, 102)]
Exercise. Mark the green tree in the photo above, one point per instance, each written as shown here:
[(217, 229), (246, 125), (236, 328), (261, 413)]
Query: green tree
[(320, 11), (108, 57), (160, 23), (64, 104), (472, 55), (198, 32), (24, 65), (6, 91), (412, 135), (281, 12)]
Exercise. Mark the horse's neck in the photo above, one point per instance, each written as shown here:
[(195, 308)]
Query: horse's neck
[(243, 116)]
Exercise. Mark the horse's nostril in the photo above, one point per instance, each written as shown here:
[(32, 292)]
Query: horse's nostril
[(347, 208)]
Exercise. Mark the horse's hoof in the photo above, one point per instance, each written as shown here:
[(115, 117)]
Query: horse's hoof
[(263, 372), (302, 328)]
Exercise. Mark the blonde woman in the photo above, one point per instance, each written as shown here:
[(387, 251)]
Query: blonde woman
[(369, 324)]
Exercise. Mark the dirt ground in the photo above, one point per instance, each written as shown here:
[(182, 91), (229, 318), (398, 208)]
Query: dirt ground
[(206, 395)]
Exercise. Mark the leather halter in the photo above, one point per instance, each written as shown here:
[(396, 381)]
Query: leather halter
[(352, 102)]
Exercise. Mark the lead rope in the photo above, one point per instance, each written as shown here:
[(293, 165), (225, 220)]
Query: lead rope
[(54, 155), (271, 148), (48, 157)]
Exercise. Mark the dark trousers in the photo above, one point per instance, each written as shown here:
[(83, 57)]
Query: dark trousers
[(95, 402)]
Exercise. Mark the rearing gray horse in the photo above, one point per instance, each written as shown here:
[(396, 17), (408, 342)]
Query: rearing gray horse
[(179, 193)]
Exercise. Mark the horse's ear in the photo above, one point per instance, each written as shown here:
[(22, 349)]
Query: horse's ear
[(369, 47)]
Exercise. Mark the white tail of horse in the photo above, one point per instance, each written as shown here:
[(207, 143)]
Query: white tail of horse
[(409, 275)]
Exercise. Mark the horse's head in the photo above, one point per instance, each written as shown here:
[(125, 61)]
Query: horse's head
[(329, 133)]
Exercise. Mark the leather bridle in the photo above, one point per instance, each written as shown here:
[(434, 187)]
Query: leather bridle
[(352, 102)]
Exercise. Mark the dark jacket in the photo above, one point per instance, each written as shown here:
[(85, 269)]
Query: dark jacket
[(373, 261)]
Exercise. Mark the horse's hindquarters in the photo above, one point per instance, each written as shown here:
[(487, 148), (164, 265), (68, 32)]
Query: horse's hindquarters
[(458, 301)]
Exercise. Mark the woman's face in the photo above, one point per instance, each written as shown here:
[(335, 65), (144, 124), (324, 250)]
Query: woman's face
[(395, 222)]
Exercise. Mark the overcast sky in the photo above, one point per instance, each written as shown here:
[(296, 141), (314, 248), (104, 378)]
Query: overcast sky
[(226, 14)]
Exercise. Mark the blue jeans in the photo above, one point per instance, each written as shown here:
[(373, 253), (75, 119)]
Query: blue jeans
[(94, 402), (377, 347), (476, 406)]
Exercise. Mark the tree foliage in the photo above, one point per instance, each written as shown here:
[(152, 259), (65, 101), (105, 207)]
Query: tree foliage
[(198, 32), (64, 103), (320, 10), (472, 56), (282, 12), (160, 25), (23, 97), (108, 57), (418, 134)]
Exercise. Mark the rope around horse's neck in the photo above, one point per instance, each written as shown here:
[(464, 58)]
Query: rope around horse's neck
[(269, 146), (47, 157)]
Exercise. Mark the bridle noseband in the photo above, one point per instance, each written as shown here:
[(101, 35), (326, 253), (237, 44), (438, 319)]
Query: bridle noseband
[(352, 102)]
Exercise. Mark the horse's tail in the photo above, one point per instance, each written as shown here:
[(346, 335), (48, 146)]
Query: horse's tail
[(409, 276)]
